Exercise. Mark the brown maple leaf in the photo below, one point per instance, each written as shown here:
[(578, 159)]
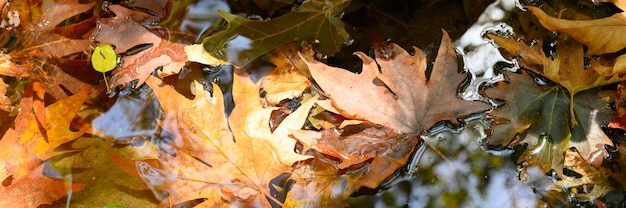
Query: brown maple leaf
[(128, 29), (393, 91)]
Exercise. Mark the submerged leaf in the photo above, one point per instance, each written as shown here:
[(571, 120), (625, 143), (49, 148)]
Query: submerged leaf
[(213, 163), (245, 40)]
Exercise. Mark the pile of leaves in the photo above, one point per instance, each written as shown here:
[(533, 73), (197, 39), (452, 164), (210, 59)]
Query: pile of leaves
[(301, 133)]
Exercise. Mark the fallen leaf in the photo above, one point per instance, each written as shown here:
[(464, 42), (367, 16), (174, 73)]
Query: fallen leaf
[(26, 145), (538, 115), (601, 36), (35, 190), (379, 151), (128, 29), (213, 163), (318, 184), (620, 107), (285, 80), (567, 69), (5, 102), (593, 183), (37, 31), (245, 40), (393, 90)]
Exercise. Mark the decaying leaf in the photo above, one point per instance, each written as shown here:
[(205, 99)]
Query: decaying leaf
[(398, 95), (538, 115), (127, 30), (245, 40)]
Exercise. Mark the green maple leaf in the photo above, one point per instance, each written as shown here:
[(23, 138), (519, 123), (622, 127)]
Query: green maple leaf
[(539, 116), (245, 39)]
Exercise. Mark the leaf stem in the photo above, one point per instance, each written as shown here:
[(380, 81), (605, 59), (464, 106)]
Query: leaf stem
[(571, 111)]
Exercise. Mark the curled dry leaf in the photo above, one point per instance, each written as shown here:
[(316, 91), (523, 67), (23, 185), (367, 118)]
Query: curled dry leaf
[(128, 29), (398, 95)]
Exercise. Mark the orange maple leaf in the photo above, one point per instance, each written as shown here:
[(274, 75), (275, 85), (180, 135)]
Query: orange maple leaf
[(27, 144), (211, 162)]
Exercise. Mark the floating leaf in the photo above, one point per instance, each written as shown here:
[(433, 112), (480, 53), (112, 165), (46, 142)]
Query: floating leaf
[(393, 90)]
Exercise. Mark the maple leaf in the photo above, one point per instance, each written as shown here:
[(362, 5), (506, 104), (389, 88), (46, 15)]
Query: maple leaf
[(398, 95), (125, 31), (567, 69), (245, 40), (211, 162), (537, 115)]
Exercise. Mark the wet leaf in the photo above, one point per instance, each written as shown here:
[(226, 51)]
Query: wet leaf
[(27, 143), (128, 29), (321, 180), (213, 163), (286, 79), (593, 183), (398, 95), (35, 190), (601, 36), (567, 69), (378, 151), (539, 117), (245, 40)]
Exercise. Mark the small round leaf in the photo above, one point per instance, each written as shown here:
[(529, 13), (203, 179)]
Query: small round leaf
[(104, 58)]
